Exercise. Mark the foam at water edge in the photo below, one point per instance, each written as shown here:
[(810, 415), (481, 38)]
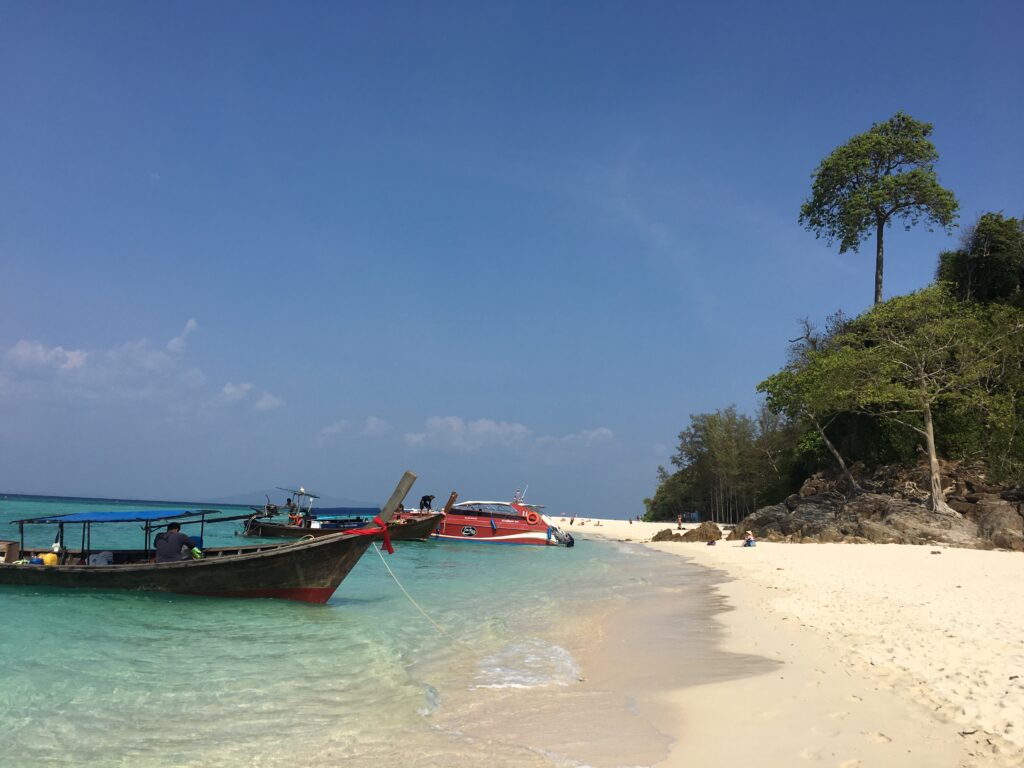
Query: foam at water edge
[(529, 663)]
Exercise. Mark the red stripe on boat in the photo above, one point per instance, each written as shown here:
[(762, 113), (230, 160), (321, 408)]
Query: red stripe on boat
[(319, 595)]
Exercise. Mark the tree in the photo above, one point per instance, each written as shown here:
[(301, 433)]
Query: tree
[(907, 358), (884, 174), (989, 265), (726, 464)]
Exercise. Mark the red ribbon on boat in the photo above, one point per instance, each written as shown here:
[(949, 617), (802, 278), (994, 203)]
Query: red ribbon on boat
[(382, 528), (387, 534)]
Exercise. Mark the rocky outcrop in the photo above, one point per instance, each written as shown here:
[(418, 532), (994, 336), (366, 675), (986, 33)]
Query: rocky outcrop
[(706, 531), (1000, 522), (893, 510), (666, 535)]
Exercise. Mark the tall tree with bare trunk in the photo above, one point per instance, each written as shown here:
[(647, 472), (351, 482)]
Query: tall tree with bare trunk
[(884, 174)]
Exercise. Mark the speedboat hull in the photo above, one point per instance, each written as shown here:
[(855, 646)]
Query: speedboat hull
[(500, 523)]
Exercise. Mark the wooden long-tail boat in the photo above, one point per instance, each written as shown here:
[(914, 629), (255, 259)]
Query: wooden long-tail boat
[(304, 520), (309, 570), (410, 527)]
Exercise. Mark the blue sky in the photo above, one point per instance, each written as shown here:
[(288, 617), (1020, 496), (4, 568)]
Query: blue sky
[(251, 244)]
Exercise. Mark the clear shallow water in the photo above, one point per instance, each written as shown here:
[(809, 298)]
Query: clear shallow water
[(147, 679)]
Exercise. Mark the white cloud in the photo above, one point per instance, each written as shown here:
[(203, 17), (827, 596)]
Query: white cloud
[(246, 392), (33, 354), (235, 392), (455, 433), (177, 344), (374, 427), (268, 402), (586, 438), (134, 371), (331, 430)]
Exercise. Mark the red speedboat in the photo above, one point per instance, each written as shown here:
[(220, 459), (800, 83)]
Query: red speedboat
[(500, 522)]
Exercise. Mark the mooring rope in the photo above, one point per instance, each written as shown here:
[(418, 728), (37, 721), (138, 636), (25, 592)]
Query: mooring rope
[(437, 626)]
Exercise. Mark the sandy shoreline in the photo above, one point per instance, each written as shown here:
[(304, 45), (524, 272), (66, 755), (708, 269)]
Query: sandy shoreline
[(886, 655)]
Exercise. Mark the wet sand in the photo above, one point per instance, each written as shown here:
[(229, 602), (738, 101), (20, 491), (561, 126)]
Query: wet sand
[(839, 655), (658, 635)]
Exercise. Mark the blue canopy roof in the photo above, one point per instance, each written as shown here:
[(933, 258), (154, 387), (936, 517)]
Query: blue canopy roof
[(346, 512), (118, 517)]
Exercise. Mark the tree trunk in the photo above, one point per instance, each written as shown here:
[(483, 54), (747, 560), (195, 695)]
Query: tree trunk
[(879, 259), (938, 499), (854, 487)]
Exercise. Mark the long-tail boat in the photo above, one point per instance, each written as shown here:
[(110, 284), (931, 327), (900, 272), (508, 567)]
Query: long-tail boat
[(304, 520), (309, 570), (410, 527)]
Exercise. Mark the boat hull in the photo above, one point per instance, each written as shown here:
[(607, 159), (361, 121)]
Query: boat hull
[(309, 571), (488, 530)]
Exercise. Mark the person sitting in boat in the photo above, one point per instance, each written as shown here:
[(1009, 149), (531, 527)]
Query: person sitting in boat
[(294, 513), (173, 545), (426, 503)]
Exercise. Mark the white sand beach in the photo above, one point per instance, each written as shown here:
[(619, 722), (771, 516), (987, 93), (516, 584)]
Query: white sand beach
[(888, 655)]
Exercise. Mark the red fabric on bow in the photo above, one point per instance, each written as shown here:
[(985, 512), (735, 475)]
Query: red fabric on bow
[(386, 536), (381, 530)]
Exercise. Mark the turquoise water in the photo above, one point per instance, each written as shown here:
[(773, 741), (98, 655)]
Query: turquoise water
[(92, 678)]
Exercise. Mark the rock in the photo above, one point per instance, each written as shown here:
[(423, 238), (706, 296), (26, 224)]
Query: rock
[(706, 531), (1001, 522), (817, 484), (666, 535), (894, 509), (1013, 494)]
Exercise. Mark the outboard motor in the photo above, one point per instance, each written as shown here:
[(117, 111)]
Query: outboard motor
[(563, 538)]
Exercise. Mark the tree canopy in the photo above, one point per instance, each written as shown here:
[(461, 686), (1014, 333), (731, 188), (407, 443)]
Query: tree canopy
[(913, 360), (989, 265), (883, 174)]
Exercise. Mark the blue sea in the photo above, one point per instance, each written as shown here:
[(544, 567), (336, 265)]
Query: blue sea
[(134, 679)]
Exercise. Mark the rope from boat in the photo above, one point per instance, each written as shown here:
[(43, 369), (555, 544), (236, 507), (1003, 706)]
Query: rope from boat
[(437, 626)]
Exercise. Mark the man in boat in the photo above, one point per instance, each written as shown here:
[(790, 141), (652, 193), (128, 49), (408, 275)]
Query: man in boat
[(426, 503), (294, 515), (173, 545)]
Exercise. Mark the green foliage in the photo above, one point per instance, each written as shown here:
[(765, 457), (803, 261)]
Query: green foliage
[(727, 464), (989, 265), (877, 380), (883, 174)]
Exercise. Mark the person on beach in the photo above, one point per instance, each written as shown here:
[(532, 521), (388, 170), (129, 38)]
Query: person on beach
[(749, 540), (172, 545), (426, 503), (679, 521)]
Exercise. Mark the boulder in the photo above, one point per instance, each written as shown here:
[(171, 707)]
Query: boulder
[(666, 535), (1001, 523), (706, 531)]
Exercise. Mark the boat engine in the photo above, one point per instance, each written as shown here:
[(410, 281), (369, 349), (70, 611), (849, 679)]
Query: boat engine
[(562, 537)]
